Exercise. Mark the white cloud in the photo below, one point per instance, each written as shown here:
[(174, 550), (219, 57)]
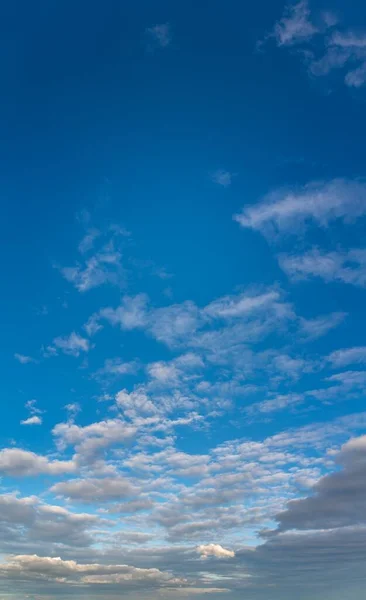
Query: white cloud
[(160, 35), (32, 421), (104, 267), (88, 240), (337, 50), (245, 304), (214, 550), (23, 359), (92, 326), (348, 356), (295, 26), (95, 490), (136, 403), (342, 266), (280, 402), (54, 569), (18, 463), (290, 211), (92, 439), (117, 367), (131, 314), (72, 344), (222, 177), (311, 329)]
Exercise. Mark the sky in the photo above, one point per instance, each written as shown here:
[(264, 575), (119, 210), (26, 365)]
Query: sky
[(183, 202)]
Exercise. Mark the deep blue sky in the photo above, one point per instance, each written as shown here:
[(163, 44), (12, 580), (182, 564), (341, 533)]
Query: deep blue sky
[(183, 337)]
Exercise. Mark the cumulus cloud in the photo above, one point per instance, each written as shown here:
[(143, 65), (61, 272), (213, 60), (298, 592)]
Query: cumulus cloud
[(290, 211), (131, 314), (19, 463), (95, 490), (35, 420), (92, 439), (215, 550)]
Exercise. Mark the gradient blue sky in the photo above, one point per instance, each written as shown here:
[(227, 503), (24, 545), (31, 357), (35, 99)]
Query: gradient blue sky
[(184, 273)]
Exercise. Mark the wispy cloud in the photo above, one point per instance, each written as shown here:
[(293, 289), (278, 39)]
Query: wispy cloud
[(342, 50), (338, 266), (222, 177), (290, 211), (160, 35), (72, 344), (23, 359), (295, 26)]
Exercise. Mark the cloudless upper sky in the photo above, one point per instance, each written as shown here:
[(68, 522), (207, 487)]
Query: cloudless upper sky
[(183, 210)]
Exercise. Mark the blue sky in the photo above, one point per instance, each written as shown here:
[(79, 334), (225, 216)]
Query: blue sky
[(184, 273)]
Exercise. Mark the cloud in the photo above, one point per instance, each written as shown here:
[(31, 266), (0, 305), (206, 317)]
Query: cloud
[(131, 314), (215, 550), (160, 35), (338, 499), (88, 240), (295, 26), (72, 344), (92, 326), (19, 463), (339, 266), (28, 523), (54, 569), (332, 50), (348, 356), (32, 421), (104, 267), (93, 439), (90, 491), (279, 402), (291, 211), (222, 177), (312, 329), (117, 367), (23, 359)]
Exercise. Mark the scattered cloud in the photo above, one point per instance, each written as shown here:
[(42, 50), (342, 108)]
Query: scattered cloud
[(72, 345), (312, 329), (348, 356), (160, 35), (295, 26), (23, 359), (291, 211), (32, 421), (339, 266), (215, 550), (222, 177), (95, 490), (323, 47), (18, 463)]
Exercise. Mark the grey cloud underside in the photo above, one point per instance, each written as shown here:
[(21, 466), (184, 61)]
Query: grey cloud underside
[(321, 536)]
